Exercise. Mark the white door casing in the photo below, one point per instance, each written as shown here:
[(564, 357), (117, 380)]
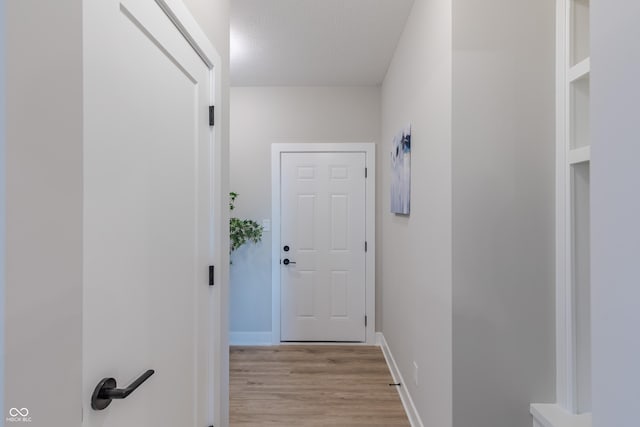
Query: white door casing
[(151, 204), (323, 209)]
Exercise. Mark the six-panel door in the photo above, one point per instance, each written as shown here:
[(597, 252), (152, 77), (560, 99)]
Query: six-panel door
[(323, 222)]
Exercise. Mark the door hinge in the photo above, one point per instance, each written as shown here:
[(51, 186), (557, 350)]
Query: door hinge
[(365, 321), (365, 172), (212, 110), (211, 271), (366, 246)]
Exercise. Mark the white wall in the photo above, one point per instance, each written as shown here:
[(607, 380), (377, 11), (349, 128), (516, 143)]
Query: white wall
[(44, 211), (415, 253), (615, 209), (503, 210), (476, 80), (261, 116)]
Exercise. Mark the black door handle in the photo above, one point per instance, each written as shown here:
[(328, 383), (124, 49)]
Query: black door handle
[(287, 262), (107, 390)]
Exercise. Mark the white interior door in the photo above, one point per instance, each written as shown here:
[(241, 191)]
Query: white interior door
[(323, 229), (147, 217)]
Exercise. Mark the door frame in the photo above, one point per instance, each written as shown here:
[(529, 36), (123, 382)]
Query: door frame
[(218, 344), (217, 372), (369, 150)]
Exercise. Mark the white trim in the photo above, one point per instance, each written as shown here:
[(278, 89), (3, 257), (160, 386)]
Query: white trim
[(579, 155), (550, 415), (379, 339), (275, 245), (580, 70), (370, 151), (564, 356), (403, 391), (250, 338), (325, 343), (178, 13), (565, 285), (566, 157), (184, 21)]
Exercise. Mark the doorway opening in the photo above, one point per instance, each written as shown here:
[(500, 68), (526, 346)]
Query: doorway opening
[(323, 242)]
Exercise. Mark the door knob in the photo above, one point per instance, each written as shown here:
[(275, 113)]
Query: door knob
[(287, 262), (106, 390)]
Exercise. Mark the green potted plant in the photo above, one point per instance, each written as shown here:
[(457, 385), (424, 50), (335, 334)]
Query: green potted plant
[(242, 231)]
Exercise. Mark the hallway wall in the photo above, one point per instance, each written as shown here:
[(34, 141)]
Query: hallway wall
[(43, 323), (615, 207), (503, 210), (265, 115), (416, 250), (468, 277)]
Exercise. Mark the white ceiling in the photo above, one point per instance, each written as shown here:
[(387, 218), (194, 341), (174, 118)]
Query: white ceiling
[(314, 42)]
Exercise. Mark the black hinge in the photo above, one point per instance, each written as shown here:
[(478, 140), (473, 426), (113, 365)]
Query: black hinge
[(365, 321), (212, 111), (365, 172), (211, 270), (366, 246)]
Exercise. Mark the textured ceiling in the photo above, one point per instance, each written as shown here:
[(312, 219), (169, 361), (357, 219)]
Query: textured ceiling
[(314, 42)]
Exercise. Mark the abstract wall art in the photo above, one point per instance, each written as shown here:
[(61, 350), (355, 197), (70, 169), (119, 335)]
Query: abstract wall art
[(401, 172)]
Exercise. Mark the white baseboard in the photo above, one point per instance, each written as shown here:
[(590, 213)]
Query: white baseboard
[(552, 415), (250, 338), (379, 338), (405, 397)]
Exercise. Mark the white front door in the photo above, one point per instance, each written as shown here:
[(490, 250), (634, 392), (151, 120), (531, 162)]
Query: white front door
[(147, 217), (322, 251)]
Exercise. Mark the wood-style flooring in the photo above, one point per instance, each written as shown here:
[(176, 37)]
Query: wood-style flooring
[(312, 386)]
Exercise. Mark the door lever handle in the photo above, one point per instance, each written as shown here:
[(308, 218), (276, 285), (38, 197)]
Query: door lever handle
[(107, 390), (287, 262)]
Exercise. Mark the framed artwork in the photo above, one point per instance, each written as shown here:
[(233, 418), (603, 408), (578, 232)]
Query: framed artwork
[(401, 172)]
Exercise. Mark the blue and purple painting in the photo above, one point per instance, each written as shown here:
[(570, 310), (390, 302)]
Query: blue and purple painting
[(401, 172)]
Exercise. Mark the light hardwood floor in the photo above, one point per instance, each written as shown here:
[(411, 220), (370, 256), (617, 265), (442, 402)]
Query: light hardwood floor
[(312, 386)]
